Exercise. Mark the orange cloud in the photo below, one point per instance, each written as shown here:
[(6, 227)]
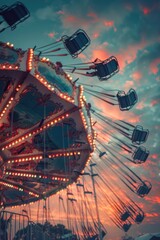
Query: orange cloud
[(71, 19), (95, 35), (51, 35), (115, 113), (109, 23), (133, 118), (155, 102), (93, 16), (154, 66), (128, 84), (146, 10), (137, 75), (82, 56), (140, 105), (157, 199), (151, 215), (101, 54), (154, 156), (129, 54)]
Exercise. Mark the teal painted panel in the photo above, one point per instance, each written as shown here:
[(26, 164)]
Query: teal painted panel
[(61, 83), (8, 55)]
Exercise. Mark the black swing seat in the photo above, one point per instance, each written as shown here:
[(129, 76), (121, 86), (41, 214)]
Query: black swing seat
[(125, 215), (139, 217), (102, 154), (144, 188), (79, 185), (140, 155), (76, 43), (106, 69), (139, 135), (87, 192), (127, 101), (14, 14), (126, 226)]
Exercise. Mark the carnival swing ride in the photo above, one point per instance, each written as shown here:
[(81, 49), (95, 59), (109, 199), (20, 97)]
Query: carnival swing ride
[(51, 137)]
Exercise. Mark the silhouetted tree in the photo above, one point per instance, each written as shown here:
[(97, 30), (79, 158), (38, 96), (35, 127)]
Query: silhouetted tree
[(45, 231)]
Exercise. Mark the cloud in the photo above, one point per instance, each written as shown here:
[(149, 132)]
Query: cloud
[(154, 156), (128, 55), (146, 10), (137, 75), (144, 70), (124, 56), (108, 23), (60, 12), (95, 35), (46, 13), (93, 16), (100, 54), (141, 105), (151, 215), (154, 66), (51, 34), (114, 111)]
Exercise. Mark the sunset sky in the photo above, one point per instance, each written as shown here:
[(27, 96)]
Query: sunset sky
[(128, 30)]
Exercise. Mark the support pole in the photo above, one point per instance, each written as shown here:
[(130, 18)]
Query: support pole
[(95, 199)]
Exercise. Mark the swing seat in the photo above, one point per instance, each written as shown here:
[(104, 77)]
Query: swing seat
[(125, 215), (14, 14), (87, 192), (79, 185), (144, 188), (127, 101), (139, 135), (107, 68), (76, 43), (139, 217), (72, 199), (140, 155), (126, 226), (102, 154)]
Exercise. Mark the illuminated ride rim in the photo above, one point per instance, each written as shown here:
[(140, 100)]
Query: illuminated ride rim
[(47, 136), (46, 133)]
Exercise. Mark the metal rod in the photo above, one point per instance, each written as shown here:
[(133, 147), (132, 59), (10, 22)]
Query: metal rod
[(95, 198)]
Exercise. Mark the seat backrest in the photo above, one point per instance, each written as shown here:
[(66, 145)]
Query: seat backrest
[(102, 70), (137, 154), (140, 155), (15, 14), (144, 135), (71, 46), (132, 96), (125, 215), (140, 135), (126, 226), (123, 100), (144, 188), (10, 16), (139, 218), (76, 43), (112, 66), (102, 154), (81, 39), (21, 11)]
